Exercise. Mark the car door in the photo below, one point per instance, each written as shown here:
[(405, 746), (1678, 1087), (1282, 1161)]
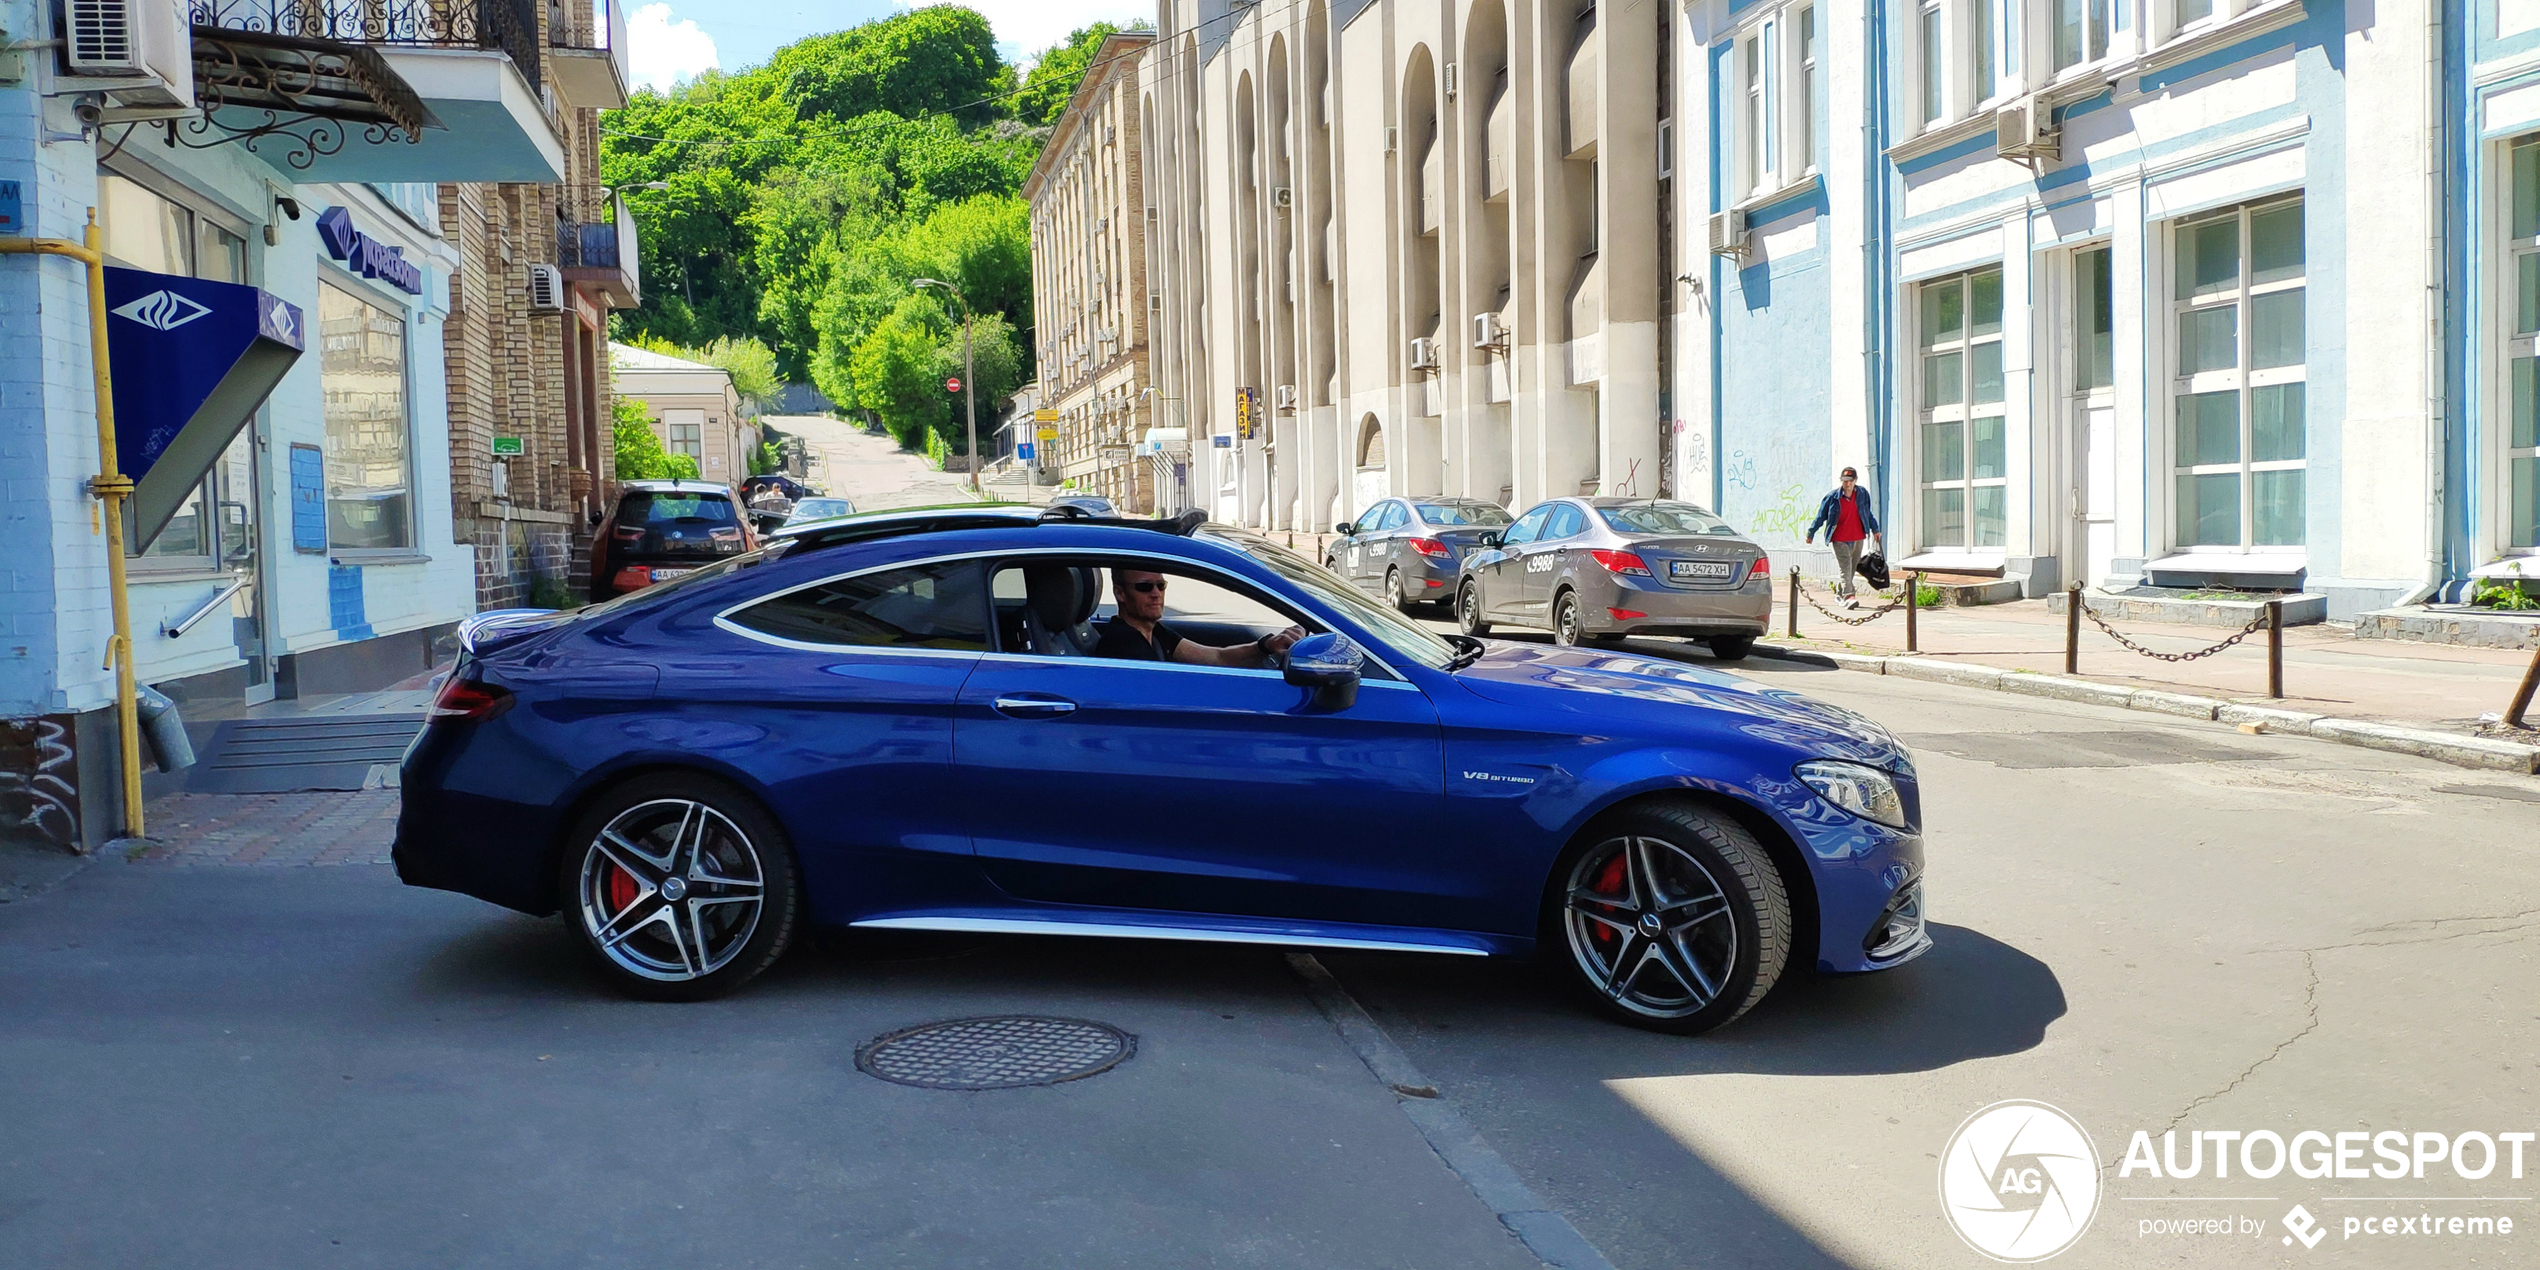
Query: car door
[(1366, 548), (1501, 575), (1167, 787), (1545, 557)]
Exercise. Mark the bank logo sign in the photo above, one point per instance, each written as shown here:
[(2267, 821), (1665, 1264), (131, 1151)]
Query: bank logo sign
[(161, 311), (2019, 1181)]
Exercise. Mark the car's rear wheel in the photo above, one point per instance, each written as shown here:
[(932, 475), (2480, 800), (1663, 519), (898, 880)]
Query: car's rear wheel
[(1394, 592), (1671, 918), (1468, 611), (1731, 647), (680, 886), (1565, 619)]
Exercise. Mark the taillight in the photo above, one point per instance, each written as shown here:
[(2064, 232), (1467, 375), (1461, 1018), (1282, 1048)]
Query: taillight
[(1619, 562), (468, 701), (1763, 566), (1432, 548)]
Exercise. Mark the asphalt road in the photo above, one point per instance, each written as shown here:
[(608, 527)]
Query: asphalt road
[(2147, 923), (873, 470)]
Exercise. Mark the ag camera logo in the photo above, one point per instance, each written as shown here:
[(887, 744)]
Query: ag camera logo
[(2019, 1181)]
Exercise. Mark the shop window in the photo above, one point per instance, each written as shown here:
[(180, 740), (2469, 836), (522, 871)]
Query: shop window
[(1964, 467), (2094, 345), (2522, 431), (2238, 406), (362, 370)]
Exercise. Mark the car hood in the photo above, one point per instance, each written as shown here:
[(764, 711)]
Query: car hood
[(1624, 688)]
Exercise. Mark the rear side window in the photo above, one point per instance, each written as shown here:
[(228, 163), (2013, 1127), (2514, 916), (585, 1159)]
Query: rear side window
[(943, 606), (1566, 521), (646, 507)]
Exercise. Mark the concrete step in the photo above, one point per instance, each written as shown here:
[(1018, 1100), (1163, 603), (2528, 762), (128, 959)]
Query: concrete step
[(2452, 624), (2299, 610), (1961, 591)]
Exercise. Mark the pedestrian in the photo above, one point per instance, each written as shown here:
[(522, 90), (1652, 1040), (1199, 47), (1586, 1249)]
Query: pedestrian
[(1846, 516)]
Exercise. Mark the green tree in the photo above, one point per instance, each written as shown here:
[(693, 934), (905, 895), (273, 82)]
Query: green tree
[(1043, 97), (640, 456), (751, 363)]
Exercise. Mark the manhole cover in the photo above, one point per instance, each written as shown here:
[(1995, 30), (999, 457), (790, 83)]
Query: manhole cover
[(1005, 1052)]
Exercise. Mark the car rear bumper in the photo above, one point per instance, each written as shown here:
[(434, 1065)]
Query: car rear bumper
[(1634, 607)]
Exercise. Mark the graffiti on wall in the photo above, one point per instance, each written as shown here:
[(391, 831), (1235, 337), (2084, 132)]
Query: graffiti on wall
[(1788, 514), (38, 801)]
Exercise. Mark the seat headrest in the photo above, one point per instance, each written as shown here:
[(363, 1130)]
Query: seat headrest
[(1060, 596)]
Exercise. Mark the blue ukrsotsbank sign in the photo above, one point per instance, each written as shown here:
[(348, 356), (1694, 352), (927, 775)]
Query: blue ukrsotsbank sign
[(192, 360), (366, 255)]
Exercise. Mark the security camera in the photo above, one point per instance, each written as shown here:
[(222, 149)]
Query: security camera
[(89, 109), (290, 206)]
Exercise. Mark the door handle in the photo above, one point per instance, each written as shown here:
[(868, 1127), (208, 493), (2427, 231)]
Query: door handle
[(1034, 707)]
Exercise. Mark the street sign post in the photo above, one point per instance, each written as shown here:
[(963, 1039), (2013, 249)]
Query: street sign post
[(953, 384)]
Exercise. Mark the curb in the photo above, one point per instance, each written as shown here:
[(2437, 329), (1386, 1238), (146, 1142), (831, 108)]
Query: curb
[(2461, 751)]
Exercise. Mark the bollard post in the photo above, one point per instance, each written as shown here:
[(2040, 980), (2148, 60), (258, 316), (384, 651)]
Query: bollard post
[(2275, 649), (2072, 629), (2522, 695), (1794, 601), (1913, 600)]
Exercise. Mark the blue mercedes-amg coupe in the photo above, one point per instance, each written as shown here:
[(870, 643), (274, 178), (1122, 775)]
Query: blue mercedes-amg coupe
[(1014, 720)]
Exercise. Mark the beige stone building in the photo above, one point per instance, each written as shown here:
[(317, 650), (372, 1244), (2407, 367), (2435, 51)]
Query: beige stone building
[(693, 408), (540, 267), (1394, 225), (1089, 290)]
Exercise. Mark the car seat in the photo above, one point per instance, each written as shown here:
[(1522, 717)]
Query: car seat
[(1058, 601)]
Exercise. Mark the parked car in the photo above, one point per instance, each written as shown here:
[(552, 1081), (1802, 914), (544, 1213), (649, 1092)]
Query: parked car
[(895, 722), (819, 507), (770, 497), (1599, 569), (1412, 550), (662, 529)]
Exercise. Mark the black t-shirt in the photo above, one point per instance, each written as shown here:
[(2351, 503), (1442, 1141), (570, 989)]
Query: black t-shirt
[(1121, 640)]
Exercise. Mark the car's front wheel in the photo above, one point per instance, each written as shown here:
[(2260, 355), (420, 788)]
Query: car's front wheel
[(1468, 611), (681, 887), (1670, 917)]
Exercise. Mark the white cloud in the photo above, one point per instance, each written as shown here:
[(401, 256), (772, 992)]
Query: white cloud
[(1025, 27), (662, 51)]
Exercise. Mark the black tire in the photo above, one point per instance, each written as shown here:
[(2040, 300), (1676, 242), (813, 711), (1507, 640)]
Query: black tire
[(1401, 599), (1565, 620), (1722, 910), (1731, 647), (687, 844), (1468, 611)]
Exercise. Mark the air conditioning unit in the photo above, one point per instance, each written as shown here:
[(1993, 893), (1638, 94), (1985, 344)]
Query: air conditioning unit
[(1449, 81), (1489, 331), (546, 289), (1728, 233), (1282, 197), (1666, 148), (1155, 304), (1102, 224), (1110, 133), (1393, 138), (1424, 353), (145, 48), (2025, 130), (1283, 399), (1152, 213)]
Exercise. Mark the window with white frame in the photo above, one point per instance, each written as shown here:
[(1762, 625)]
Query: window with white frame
[(2094, 347), (1806, 105), (1756, 67), (362, 372), (2237, 402), (2081, 31), (2522, 350), (1964, 465), (1776, 102), (1935, 70)]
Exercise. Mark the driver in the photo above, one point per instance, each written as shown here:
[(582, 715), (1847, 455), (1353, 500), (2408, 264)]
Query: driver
[(1138, 633)]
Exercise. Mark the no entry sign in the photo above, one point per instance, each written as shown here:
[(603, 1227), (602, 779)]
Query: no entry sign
[(953, 384)]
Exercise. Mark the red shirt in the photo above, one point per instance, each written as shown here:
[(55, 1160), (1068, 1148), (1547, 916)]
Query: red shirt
[(1847, 520)]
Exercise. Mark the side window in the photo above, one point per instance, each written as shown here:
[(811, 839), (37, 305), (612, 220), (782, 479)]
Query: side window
[(1528, 527), (940, 606), (1388, 516), (1566, 522)]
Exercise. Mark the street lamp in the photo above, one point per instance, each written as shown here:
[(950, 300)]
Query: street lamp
[(969, 375)]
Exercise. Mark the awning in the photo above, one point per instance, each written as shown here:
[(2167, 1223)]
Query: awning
[(192, 361)]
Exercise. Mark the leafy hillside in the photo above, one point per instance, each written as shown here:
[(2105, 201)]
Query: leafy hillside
[(806, 196)]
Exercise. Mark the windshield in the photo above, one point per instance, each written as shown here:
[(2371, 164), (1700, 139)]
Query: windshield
[(1486, 515), (822, 508), (729, 564), (1663, 518), (645, 507), (1400, 634)]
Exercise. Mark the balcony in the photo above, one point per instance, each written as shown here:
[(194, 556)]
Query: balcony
[(586, 44), (376, 90), (601, 254)]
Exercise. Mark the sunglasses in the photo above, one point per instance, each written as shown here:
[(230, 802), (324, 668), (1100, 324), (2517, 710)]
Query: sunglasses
[(1144, 588)]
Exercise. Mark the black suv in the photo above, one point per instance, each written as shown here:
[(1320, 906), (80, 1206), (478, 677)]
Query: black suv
[(662, 529)]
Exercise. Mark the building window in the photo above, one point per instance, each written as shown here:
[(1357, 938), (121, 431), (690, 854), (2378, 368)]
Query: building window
[(2522, 350), (2191, 11), (2238, 404), (362, 369), (1759, 111), (1807, 103), (2094, 321), (1964, 471), (1935, 72), (143, 230)]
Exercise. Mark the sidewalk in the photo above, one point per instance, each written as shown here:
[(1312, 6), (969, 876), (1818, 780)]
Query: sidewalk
[(2327, 669)]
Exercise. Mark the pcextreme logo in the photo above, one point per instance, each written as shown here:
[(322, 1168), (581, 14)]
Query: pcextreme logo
[(2019, 1181)]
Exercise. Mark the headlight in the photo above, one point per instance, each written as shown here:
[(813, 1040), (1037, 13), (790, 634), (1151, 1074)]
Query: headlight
[(1864, 791)]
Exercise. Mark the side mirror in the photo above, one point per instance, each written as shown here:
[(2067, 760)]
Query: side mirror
[(1345, 528), (1490, 539), (1329, 665)]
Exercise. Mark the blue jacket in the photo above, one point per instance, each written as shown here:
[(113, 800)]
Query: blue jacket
[(1860, 502)]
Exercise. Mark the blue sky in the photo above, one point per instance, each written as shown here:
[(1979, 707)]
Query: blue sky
[(671, 39)]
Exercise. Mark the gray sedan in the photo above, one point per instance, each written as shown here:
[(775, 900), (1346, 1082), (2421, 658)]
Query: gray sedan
[(1603, 568), (1412, 550)]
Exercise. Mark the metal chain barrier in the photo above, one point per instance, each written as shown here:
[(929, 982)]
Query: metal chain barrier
[(2256, 624), (1873, 615)]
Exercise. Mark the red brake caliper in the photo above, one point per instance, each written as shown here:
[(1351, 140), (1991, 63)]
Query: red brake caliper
[(1609, 881), (622, 888)]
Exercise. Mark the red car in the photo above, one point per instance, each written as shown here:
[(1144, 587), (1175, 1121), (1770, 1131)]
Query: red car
[(661, 529)]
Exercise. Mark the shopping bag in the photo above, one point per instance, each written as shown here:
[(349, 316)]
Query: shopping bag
[(1873, 570)]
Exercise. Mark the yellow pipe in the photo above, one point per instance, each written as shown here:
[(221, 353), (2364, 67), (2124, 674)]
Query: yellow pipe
[(111, 487)]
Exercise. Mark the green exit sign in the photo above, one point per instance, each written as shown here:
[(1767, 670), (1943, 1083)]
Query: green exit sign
[(506, 445)]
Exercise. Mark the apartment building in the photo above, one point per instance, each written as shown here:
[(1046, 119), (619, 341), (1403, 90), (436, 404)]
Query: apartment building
[(2182, 293), (1090, 301)]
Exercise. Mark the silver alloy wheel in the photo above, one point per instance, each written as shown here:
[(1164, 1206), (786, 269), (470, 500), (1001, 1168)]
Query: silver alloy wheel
[(1393, 591), (1650, 926), (671, 890)]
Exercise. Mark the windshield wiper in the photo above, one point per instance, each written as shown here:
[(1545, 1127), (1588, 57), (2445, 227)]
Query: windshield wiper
[(1469, 650)]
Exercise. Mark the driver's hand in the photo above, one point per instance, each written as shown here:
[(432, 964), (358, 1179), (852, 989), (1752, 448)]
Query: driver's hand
[(1278, 644)]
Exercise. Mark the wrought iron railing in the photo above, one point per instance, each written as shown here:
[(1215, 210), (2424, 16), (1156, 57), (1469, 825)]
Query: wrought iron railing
[(508, 25)]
